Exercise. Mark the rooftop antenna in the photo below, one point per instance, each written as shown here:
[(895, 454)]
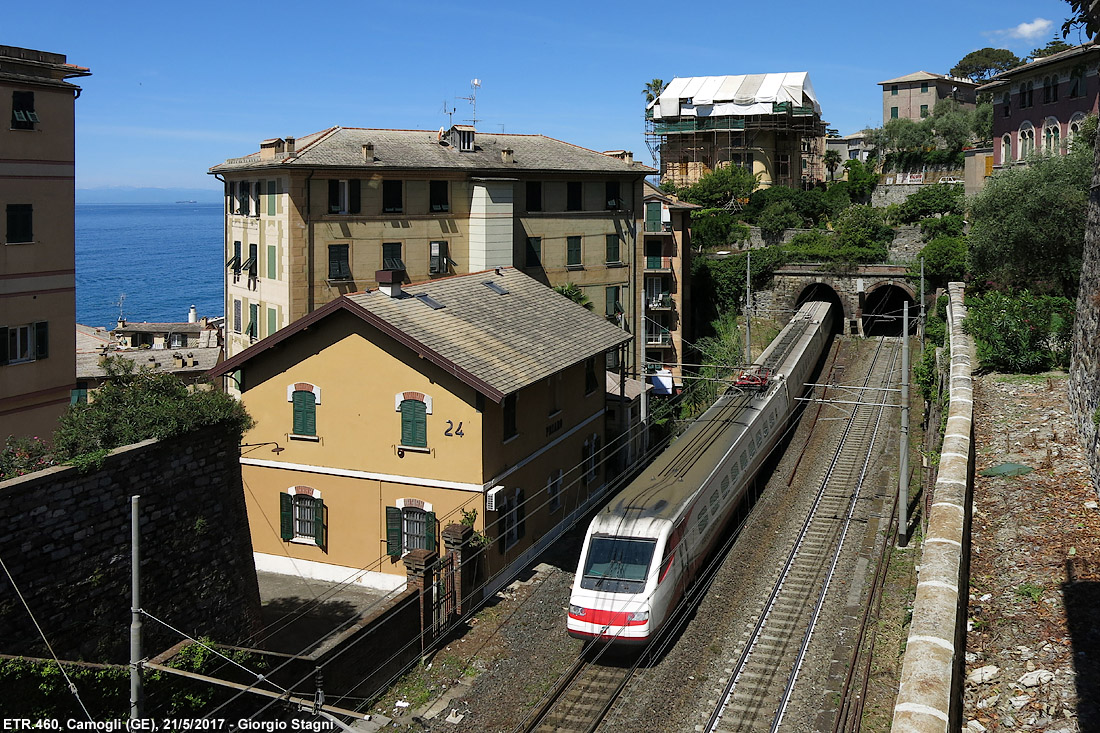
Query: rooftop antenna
[(450, 112), (475, 84), (121, 300)]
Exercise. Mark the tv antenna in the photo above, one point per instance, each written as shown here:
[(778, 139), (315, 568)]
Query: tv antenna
[(121, 300), (475, 84), (450, 112)]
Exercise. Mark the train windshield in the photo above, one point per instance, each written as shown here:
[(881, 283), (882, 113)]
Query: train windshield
[(617, 564)]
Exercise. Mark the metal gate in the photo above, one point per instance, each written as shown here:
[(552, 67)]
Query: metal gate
[(443, 602)]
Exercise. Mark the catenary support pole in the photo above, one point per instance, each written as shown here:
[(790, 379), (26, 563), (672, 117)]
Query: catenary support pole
[(903, 468), (748, 308), (137, 693)]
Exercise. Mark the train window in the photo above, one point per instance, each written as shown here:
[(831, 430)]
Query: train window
[(765, 428), (744, 463), (734, 473), (702, 517), (617, 564), (714, 505), (725, 486)]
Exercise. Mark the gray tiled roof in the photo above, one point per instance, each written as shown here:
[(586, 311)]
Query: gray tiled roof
[(506, 341), (89, 366), (342, 147)]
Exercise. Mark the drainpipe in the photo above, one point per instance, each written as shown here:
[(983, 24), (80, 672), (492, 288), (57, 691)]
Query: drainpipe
[(309, 243)]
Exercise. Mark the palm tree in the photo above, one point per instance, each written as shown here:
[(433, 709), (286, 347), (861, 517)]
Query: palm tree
[(575, 293), (653, 90), (832, 162)]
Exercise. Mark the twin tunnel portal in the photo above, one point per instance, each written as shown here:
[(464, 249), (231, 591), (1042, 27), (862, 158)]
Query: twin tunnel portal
[(872, 298)]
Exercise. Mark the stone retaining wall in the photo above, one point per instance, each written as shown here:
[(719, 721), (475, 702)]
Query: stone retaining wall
[(930, 693), (67, 546)]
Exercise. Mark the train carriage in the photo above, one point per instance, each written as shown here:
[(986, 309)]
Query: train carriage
[(645, 547)]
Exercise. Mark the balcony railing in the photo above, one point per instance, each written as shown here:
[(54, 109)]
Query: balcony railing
[(656, 262), (658, 227), (661, 301), (658, 338)]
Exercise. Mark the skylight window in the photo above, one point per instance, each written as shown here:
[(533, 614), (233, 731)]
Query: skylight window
[(498, 289), (429, 301)]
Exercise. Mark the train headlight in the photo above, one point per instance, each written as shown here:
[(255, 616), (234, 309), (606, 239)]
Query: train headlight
[(637, 617), (577, 610)]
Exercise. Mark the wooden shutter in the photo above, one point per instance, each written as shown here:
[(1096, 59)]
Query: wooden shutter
[(41, 340), (429, 531), (521, 514), (305, 413), (271, 198), (319, 522), (353, 195), (414, 424), (286, 516), (393, 531)]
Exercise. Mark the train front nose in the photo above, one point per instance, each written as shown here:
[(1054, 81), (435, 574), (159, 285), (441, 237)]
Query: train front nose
[(608, 625)]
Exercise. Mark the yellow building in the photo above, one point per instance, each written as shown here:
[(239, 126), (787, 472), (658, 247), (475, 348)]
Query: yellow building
[(383, 416), (310, 219), (37, 255)]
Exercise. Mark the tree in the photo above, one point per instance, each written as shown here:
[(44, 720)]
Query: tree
[(861, 180), (1028, 225), (1054, 45), (777, 217), (653, 89), (944, 261), (720, 186), (832, 162), (862, 234), (931, 201), (1086, 14), (715, 229), (135, 405), (981, 122), (906, 134), (575, 293), (951, 124), (980, 65)]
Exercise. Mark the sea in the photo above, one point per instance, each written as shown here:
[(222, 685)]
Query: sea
[(148, 262)]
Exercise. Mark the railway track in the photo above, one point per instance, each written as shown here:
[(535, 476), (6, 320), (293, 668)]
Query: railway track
[(582, 697), (765, 673)]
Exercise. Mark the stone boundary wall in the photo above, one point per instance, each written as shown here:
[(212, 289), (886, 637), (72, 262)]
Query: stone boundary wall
[(67, 545), (930, 694)]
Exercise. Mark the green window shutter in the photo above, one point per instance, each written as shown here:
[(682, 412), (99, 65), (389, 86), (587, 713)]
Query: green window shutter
[(573, 251), (286, 516), (272, 257), (41, 340), (305, 413), (271, 198), (353, 195), (653, 216), (429, 531), (521, 514), (414, 424), (612, 247), (272, 321), (393, 531), (319, 522)]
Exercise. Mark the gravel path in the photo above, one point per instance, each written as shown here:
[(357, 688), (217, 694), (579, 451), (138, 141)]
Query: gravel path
[(1033, 648)]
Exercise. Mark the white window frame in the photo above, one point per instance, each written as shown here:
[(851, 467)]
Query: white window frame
[(407, 507), (295, 518), (26, 340)]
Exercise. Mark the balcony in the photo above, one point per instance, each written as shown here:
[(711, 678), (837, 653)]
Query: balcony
[(658, 227), (660, 338), (655, 263), (659, 302)]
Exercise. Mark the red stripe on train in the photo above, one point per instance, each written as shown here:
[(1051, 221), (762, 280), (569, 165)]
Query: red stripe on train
[(606, 618)]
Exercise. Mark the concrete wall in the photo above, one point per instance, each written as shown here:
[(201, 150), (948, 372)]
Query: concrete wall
[(67, 545), (930, 694)]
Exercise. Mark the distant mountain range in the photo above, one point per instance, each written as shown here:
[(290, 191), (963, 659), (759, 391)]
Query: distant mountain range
[(132, 195)]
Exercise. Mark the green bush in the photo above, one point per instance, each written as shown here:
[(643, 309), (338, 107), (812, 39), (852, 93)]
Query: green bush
[(720, 186), (944, 261), (932, 200), (950, 225), (812, 246), (924, 373), (716, 229), (22, 455), (862, 235), (1021, 332), (935, 327), (837, 198), (776, 218), (138, 405)]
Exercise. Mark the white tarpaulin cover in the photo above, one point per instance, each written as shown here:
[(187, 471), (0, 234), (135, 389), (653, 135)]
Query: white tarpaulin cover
[(746, 94)]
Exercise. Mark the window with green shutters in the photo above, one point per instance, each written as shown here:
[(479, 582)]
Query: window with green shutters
[(302, 518), (534, 251), (305, 413), (653, 216), (414, 424), (272, 321), (339, 265), (409, 528), (613, 248), (271, 198), (893, 113), (253, 321), (272, 262), (573, 251)]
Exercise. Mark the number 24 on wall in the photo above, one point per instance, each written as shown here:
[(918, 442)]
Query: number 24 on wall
[(452, 430)]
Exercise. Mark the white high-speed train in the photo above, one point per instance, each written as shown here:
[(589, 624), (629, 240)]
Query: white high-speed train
[(644, 548)]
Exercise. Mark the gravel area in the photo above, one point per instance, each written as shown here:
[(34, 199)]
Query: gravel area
[(1033, 647)]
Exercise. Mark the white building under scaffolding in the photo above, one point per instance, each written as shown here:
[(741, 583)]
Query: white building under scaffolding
[(768, 123)]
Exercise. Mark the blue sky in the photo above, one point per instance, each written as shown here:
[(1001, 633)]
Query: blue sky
[(179, 87)]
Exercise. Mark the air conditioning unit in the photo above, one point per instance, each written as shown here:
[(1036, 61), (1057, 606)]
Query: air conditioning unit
[(494, 499)]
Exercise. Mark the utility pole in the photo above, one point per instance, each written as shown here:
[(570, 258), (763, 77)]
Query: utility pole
[(748, 308), (137, 693), (903, 469)]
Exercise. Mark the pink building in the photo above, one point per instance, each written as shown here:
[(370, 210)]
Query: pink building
[(1039, 107)]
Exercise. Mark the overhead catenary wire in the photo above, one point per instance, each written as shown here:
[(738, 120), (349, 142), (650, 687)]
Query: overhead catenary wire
[(64, 673)]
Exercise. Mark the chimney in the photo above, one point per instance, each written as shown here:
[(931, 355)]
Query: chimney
[(368, 152), (289, 145), (628, 157), (389, 281), (177, 360), (192, 315), (270, 148), (121, 322), (506, 156)]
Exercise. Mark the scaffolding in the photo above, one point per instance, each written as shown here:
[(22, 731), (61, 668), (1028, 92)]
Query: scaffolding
[(789, 143)]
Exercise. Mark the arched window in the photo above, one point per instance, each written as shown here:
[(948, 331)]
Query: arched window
[(1052, 134), (1046, 90), (1074, 128), (1006, 149), (1027, 141), (304, 398), (1054, 87)]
